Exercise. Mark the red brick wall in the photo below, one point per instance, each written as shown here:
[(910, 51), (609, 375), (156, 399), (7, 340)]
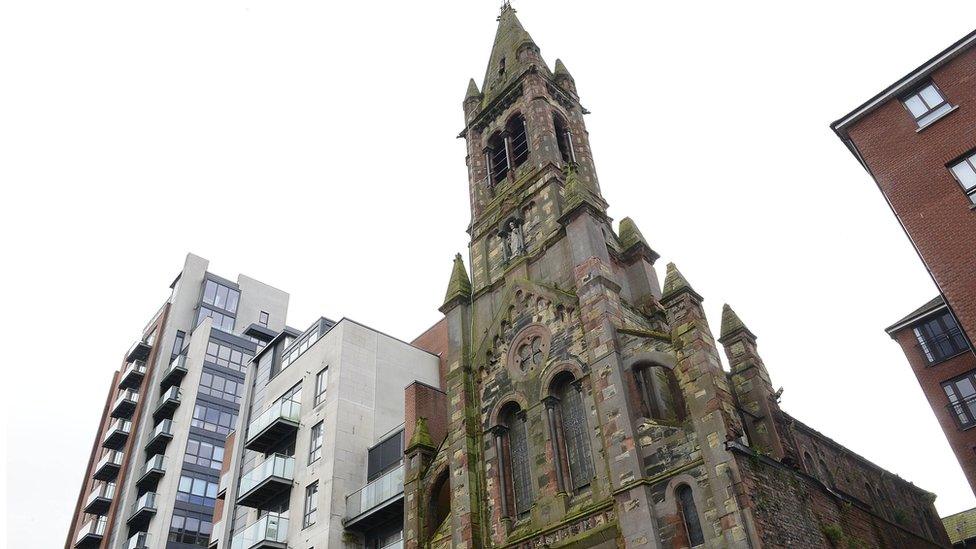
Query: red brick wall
[(428, 402), (434, 340), (910, 167), (930, 378)]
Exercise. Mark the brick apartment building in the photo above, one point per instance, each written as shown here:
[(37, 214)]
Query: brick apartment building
[(917, 139)]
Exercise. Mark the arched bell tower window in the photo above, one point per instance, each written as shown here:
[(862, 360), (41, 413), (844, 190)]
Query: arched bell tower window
[(512, 449), (564, 139), (689, 515), (659, 392), (497, 154), (519, 140), (569, 433)]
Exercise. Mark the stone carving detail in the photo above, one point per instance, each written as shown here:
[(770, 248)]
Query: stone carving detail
[(514, 241), (530, 349), (570, 530)]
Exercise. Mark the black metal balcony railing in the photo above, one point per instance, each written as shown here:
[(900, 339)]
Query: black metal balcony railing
[(964, 411), (943, 346)]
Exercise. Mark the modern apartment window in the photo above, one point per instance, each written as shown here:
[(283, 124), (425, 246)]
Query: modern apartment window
[(213, 419), (228, 357), (315, 443), (203, 454), (197, 491), (962, 399), (302, 345), (321, 382), (190, 528), (222, 387), (311, 504), (965, 173), (263, 318), (927, 104), (384, 456), (178, 342), (220, 320), (940, 338), (220, 296)]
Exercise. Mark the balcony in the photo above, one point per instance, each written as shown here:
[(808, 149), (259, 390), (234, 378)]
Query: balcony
[(160, 437), (216, 533), (141, 540), (377, 502), (274, 425), (100, 499), (116, 434), (398, 544), (269, 532), (138, 351), (143, 511), (125, 404), (168, 403), (174, 373), (266, 481), (222, 485), (108, 467), (153, 471), (964, 412), (943, 346), (132, 376), (90, 535)]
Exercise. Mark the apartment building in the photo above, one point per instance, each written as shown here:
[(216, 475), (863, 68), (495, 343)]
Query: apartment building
[(152, 476), (318, 459), (917, 140)]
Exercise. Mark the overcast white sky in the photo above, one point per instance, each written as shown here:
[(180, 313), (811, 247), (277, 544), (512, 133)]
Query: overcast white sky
[(312, 145)]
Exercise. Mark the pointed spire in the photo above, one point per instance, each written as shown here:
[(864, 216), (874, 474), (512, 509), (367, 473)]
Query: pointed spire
[(421, 436), (732, 324), (473, 91), (675, 283), (630, 235), (460, 286), (561, 70), (505, 63)]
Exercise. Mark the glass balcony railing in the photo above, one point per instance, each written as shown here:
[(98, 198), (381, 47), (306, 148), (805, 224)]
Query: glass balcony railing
[(165, 427), (155, 463), (389, 485), (398, 544), (964, 411), (270, 528), (286, 409), (105, 490), (126, 396), (94, 527), (216, 533), (132, 375), (113, 457), (119, 427), (275, 466), (142, 540), (146, 503)]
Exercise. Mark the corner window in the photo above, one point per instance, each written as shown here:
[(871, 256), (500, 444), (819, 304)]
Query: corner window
[(939, 338), (965, 173), (927, 105), (962, 400), (220, 296)]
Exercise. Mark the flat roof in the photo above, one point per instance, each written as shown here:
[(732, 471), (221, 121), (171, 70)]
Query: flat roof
[(903, 84)]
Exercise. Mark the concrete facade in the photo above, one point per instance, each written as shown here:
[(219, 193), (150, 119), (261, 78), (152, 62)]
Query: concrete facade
[(912, 160)]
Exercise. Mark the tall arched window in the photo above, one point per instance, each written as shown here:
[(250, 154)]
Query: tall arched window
[(689, 515), (564, 139), (439, 505), (518, 140), (512, 448), (569, 434), (497, 157), (828, 477), (659, 392)]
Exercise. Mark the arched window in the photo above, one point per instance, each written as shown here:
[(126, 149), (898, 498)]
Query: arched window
[(564, 139), (569, 434), (497, 156), (518, 140), (828, 477), (512, 448), (810, 465), (439, 506), (689, 515), (659, 392)]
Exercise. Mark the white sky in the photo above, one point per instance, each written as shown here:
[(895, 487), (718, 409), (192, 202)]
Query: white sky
[(312, 145)]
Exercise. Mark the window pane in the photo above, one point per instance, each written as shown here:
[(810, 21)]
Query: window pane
[(966, 175), (931, 96), (915, 104)]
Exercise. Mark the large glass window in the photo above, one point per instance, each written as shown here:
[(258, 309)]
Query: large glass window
[(228, 357), (302, 345), (321, 382), (204, 454), (689, 515), (927, 104), (384, 456), (315, 443), (190, 528), (220, 296), (965, 173), (197, 491), (213, 419), (221, 387), (962, 399), (940, 338), (311, 504), (178, 342), (575, 434), (518, 453), (220, 321)]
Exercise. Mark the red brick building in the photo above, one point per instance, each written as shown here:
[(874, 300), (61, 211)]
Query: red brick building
[(917, 139)]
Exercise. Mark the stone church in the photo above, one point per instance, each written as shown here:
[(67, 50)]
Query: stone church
[(584, 402)]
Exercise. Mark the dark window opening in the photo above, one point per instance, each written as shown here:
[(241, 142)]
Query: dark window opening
[(497, 158), (689, 515), (439, 506), (178, 342), (576, 453), (518, 460), (501, 66), (384, 456), (940, 338), (962, 399), (564, 140), (518, 140), (659, 392)]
